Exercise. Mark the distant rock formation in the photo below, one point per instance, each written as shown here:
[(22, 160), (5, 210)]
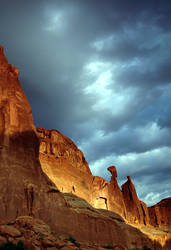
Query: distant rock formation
[(26, 190), (109, 193), (137, 212), (66, 166), (160, 214)]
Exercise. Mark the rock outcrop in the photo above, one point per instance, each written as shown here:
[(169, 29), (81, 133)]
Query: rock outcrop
[(160, 214), (137, 212), (108, 195), (66, 166), (102, 228)]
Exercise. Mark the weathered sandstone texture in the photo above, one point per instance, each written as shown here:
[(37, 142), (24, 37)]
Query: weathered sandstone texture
[(103, 228), (160, 214), (64, 163), (25, 189), (137, 212), (108, 195), (66, 166)]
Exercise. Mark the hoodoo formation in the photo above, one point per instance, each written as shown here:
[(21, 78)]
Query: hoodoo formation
[(48, 189)]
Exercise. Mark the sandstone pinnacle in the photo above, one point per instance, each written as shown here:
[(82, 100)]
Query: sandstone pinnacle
[(113, 172)]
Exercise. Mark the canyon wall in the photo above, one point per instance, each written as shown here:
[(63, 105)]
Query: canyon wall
[(160, 214), (66, 166), (36, 164), (25, 189)]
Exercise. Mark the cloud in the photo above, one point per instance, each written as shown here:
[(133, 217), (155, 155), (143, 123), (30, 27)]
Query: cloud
[(99, 71)]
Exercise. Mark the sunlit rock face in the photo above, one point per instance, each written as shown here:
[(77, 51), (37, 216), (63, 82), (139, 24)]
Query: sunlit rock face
[(64, 163), (137, 212), (66, 166), (108, 195), (160, 214)]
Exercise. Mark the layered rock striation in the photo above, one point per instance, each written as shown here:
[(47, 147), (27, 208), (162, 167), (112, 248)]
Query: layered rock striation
[(64, 163), (66, 166), (108, 193), (160, 214)]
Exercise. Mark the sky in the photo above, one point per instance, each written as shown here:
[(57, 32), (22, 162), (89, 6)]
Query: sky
[(99, 71)]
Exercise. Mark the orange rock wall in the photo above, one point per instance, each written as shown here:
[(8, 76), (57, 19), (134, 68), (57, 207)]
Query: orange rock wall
[(64, 163), (66, 166), (137, 212), (160, 214)]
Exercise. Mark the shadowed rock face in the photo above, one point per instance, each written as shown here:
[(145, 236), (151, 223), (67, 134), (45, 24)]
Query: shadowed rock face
[(24, 187), (160, 214)]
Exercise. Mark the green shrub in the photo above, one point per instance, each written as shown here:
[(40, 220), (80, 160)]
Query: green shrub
[(41, 238), (107, 247), (71, 239), (11, 246), (146, 248)]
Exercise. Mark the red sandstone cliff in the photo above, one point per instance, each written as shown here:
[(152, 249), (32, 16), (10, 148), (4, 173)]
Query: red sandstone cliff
[(108, 195), (26, 189), (66, 166), (160, 214), (137, 212), (64, 163)]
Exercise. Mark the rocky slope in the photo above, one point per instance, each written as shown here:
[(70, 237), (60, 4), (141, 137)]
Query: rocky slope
[(26, 190)]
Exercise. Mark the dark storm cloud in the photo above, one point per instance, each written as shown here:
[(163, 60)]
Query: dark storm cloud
[(98, 71)]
